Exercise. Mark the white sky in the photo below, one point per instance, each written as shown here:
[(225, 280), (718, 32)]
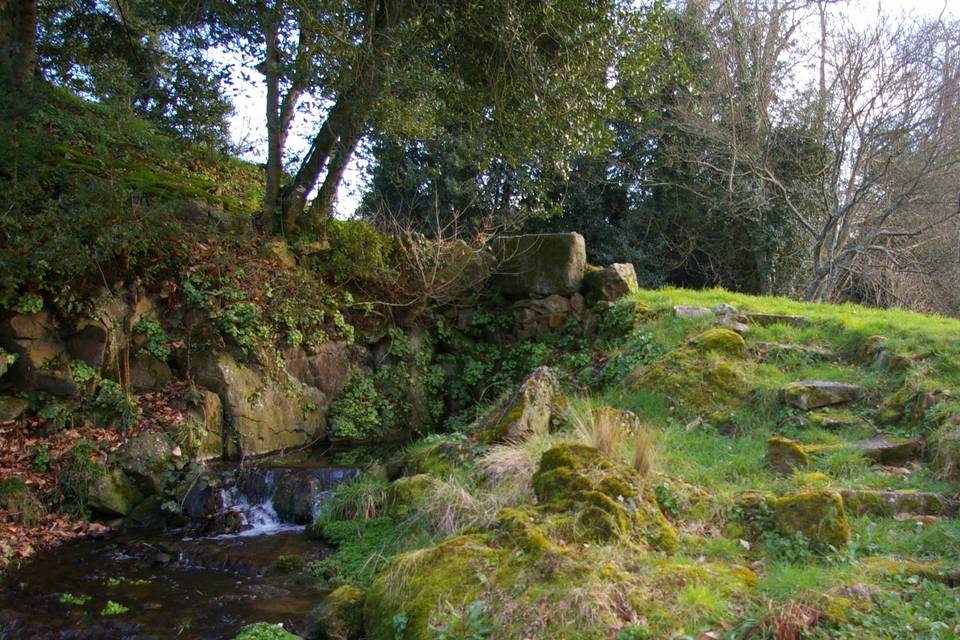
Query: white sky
[(247, 127)]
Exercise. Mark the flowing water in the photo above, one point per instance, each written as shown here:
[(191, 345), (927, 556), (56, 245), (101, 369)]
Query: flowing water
[(187, 583)]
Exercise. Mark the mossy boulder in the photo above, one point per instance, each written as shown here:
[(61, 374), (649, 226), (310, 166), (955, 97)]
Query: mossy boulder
[(418, 583), (439, 457), (609, 501), (538, 264), (785, 455), (819, 515), (339, 616), (524, 411), (609, 283), (113, 493), (706, 376), (723, 341), (813, 394), (406, 495), (150, 458)]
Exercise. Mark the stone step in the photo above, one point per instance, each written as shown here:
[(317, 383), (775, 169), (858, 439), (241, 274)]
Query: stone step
[(814, 394), (776, 350), (875, 502), (785, 455)]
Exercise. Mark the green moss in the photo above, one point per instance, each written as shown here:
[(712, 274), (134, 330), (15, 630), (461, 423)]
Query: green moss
[(416, 584), (722, 341), (699, 381), (265, 631), (819, 515), (339, 616), (610, 501), (406, 495)]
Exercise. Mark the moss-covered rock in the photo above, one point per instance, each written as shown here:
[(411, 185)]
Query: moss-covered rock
[(439, 457), (150, 458), (539, 264), (722, 341), (785, 455), (890, 450), (705, 376), (112, 493), (339, 616), (819, 515), (890, 503), (524, 411), (609, 501), (263, 415), (406, 495), (19, 502), (418, 583), (609, 283), (813, 394)]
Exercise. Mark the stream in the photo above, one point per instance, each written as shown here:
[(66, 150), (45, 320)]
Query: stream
[(185, 583)]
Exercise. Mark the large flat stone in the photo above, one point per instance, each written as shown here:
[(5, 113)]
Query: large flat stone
[(539, 264), (888, 450), (263, 415), (813, 394)]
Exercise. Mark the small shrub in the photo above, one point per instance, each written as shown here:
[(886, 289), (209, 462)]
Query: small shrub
[(472, 622), (76, 478), (74, 600), (115, 403), (40, 457), (157, 340), (114, 609)]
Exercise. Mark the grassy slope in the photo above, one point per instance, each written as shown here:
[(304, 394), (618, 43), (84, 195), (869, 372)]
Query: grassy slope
[(704, 458)]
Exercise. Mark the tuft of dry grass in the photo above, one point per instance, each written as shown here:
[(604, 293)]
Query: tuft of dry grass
[(601, 428), (643, 453)]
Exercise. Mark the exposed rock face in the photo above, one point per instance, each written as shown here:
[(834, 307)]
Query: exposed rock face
[(819, 515), (147, 372), (328, 368), (112, 493), (149, 458), (41, 354), (610, 283), (525, 411), (813, 394), (263, 415), (539, 264), (206, 416), (295, 494)]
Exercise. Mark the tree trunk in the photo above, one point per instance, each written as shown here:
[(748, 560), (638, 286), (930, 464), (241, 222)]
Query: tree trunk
[(322, 205), (18, 42), (275, 134)]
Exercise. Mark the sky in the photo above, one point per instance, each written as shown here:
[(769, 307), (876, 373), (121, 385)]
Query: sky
[(247, 131)]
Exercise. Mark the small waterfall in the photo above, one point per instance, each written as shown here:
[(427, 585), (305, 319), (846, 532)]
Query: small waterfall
[(251, 497)]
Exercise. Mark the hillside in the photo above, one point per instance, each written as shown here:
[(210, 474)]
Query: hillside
[(491, 442)]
